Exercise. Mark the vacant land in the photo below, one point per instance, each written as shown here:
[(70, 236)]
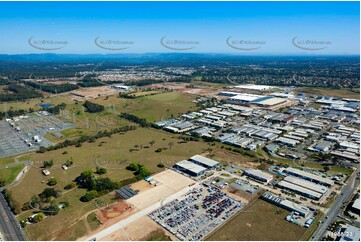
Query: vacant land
[(152, 108), (114, 154), (258, 222), (333, 92)]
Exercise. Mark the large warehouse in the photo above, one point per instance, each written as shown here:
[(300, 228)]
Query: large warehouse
[(190, 168), (286, 204), (258, 175), (204, 161), (306, 184), (299, 190), (309, 176)]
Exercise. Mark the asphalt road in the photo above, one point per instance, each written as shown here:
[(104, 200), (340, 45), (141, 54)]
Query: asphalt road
[(8, 223), (336, 207)]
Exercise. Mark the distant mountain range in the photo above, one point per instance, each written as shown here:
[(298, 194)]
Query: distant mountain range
[(152, 57)]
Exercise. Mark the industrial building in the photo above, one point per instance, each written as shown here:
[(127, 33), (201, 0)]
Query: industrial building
[(306, 184), (309, 176), (286, 204), (204, 161), (190, 168), (258, 175), (323, 146), (299, 190)]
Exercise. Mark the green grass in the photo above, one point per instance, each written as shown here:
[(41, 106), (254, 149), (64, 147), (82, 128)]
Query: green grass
[(153, 108), (93, 221), (9, 174), (334, 92), (115, 151), (159, 237)]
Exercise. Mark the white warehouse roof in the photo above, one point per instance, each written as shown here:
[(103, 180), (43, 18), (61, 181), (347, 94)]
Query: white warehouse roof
[(204, 160)]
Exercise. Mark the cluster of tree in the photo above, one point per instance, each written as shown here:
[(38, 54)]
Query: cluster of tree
[(52, 88), (56, 109), (48, 164), (96, 186), (101, 170), (127, 95), (12, 113), (93, 107), (16, 92), (70, 185), (52, 181), (86, 138), (45, 202), (139, 170), (69, 162), (89, 81), (13, 205), (141, 121)]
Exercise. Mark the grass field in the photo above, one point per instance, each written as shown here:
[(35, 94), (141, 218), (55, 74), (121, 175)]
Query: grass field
[(152, 108), (258, 222), (9, 174), (334, 92), (114, 154)]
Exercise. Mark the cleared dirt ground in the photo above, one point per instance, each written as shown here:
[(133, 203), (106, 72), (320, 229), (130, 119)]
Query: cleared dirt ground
[(140, 230), (170, 183)]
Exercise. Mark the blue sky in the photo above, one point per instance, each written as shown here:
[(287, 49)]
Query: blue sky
[(205, 26)]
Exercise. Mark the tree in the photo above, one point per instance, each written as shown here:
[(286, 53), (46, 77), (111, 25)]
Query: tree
[(326, 168), (152, 143), (170, 144), (160, 165), (2, 182), (90, 195), (52, 181), (47, 193), (134, 166), (38, 217), (70, 185), (87, 180), (101, 170), (143, 172), (48, 164)]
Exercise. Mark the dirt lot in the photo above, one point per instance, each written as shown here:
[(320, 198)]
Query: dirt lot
[(118, 210), (141, 186), (260, 221), (170, 183), (141, 230)]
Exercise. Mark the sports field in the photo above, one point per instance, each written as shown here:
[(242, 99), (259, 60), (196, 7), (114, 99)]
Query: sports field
[(260, 221)]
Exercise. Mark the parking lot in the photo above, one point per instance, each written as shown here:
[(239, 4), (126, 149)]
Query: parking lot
[(197, 214), (245, 186)]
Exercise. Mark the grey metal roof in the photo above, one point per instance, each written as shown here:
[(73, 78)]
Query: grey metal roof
[(204, 160)]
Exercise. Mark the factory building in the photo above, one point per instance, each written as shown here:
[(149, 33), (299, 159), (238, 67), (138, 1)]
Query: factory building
[(204, 161), (258, 175), (309, 176), (306, 184), (299, 190), (190, 168), (286, 204)]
